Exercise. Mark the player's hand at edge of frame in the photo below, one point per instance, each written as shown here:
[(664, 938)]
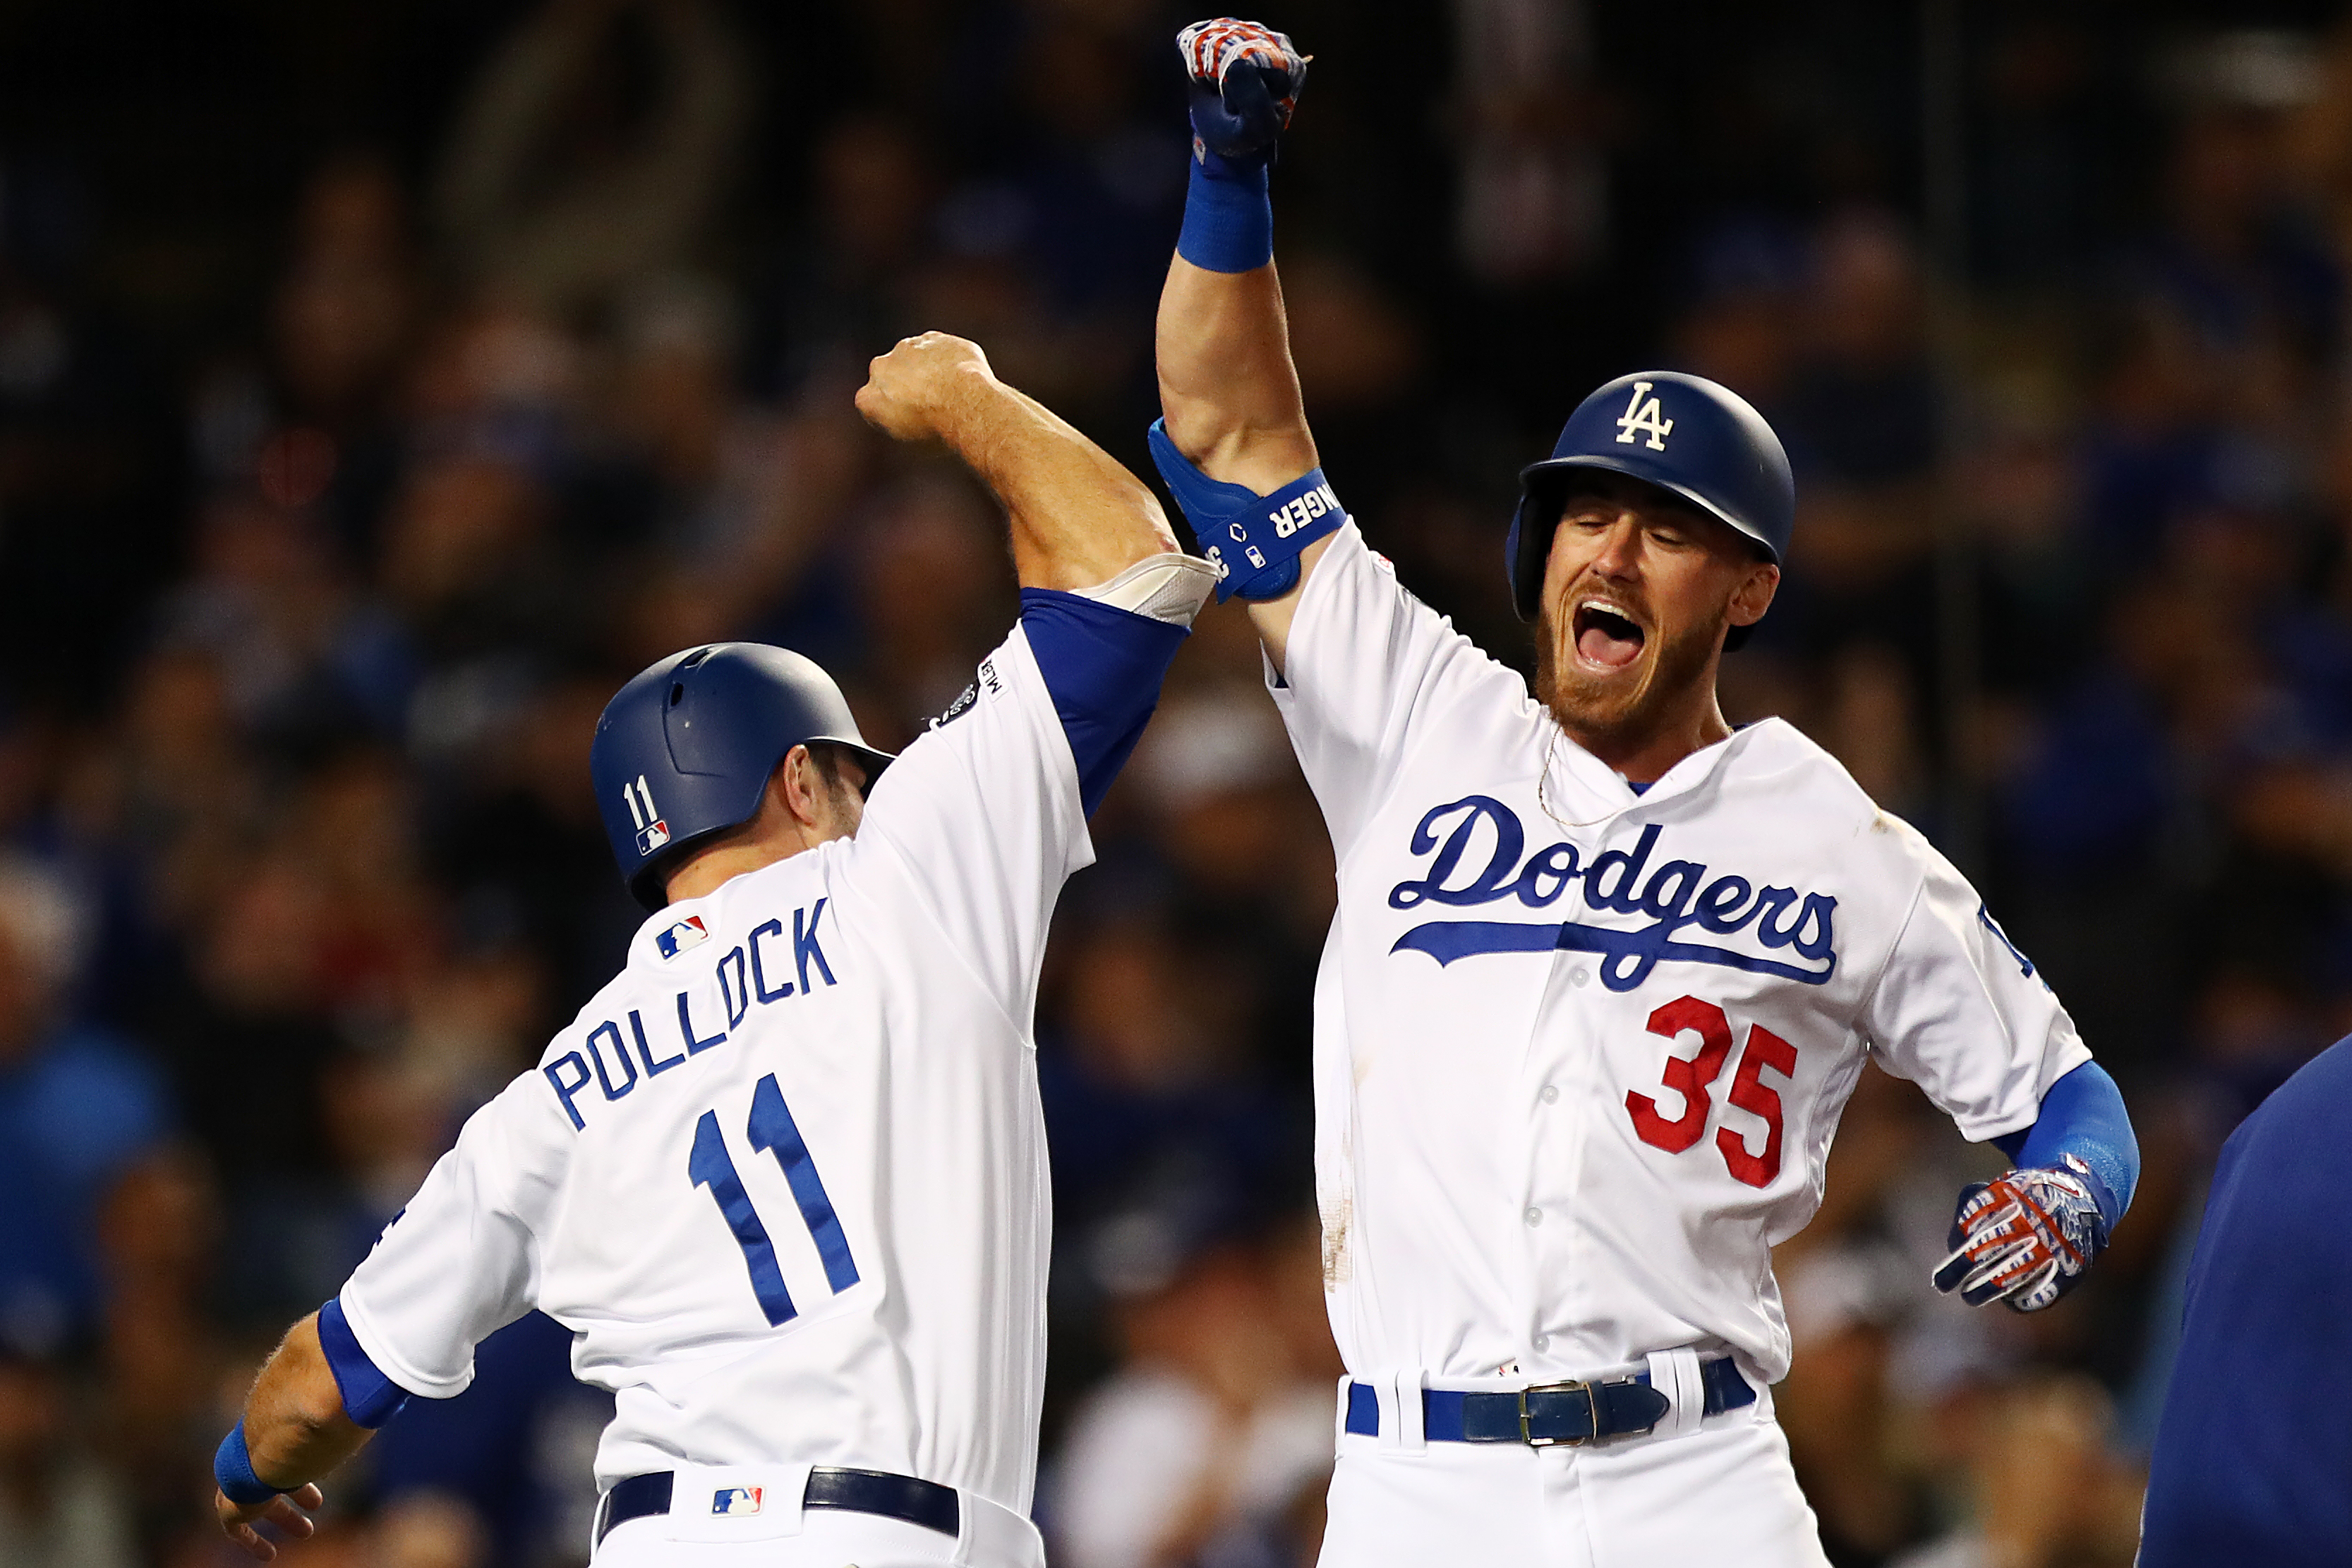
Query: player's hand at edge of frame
[(2024, 1239), (289, 1511), (907, 389)]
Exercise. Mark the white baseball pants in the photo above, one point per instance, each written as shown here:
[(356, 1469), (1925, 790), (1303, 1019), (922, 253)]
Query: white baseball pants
[(783, 1534), (1721, 1494)]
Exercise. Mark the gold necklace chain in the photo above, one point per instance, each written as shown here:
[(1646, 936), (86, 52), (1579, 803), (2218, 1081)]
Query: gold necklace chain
[(1543, 780)]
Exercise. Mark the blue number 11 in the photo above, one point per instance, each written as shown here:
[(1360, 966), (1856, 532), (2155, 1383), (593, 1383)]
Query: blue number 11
[(772, 1130)]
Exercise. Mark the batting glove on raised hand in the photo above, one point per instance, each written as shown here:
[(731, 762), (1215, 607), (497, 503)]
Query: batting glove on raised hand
[(1244, 81), (2024, 1239)]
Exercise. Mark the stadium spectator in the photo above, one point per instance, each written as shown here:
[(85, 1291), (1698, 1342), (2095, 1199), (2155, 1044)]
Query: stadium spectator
[(593, 149), (79, 1110), (1215, 1423), (59, 1508)]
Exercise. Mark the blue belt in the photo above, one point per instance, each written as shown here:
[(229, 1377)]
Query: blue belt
[(1550, 1414), (926, 1503)]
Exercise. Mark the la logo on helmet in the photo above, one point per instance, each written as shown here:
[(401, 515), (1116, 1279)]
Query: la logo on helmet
[(1645, 415)]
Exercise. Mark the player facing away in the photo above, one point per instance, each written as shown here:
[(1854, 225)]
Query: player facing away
[(784, 1177), (1604, 970)]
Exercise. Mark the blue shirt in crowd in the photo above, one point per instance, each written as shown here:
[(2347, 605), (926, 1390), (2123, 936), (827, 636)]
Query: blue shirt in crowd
[(2253, 1454), (73, 1114)]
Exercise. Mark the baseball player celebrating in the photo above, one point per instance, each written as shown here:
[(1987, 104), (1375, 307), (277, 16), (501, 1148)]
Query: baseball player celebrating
[(783, 1177), (1604, 970)]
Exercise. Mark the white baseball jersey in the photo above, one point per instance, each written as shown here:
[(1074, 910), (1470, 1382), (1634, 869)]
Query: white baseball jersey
[(1579, 1050), (784, 1177)]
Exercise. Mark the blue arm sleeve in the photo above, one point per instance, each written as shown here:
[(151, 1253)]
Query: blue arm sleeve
[(1104, 666), (370, 1398), (2083, 1115)]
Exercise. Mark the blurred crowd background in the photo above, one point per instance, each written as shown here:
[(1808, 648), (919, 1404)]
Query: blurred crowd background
[(381, 385)]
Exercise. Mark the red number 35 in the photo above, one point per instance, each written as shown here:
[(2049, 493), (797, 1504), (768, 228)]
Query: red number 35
[(1692, 1076)]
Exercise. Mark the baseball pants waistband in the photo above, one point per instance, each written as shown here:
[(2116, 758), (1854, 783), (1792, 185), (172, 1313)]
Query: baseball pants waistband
[(904, 1498), (1548, 1415)]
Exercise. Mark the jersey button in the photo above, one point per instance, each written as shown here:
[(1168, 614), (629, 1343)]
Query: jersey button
[(1580, 977), (1533, 1217), (1543, 1342), (1551, 1094)]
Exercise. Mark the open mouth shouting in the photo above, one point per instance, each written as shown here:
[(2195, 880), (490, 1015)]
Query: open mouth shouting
[(1606, 635)]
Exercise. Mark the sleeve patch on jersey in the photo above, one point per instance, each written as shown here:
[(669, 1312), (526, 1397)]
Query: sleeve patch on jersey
[(988, 680), (2025, 968), (958, 708)]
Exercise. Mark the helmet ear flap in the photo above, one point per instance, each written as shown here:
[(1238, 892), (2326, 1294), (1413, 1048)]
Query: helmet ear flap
[(1528, 548)]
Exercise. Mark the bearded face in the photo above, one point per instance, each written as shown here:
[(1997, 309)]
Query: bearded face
[(1639, 590), (1611, 679)]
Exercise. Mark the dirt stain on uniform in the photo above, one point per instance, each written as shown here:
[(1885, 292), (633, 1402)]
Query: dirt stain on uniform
[(1339, 1261)]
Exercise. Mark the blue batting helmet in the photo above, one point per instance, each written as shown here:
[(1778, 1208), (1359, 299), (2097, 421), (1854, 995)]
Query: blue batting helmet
[(685, 749), (1686, 434)]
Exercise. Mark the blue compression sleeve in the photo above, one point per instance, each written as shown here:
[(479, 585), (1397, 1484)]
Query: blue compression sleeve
[(370, 1398), (1104, 666), (2083, 1115)]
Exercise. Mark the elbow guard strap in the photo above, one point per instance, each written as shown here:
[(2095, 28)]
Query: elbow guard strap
[(1253, 541)]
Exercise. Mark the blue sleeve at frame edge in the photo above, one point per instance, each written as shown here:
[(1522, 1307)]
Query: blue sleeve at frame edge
[(2083, 1115), (1103, 666), (370, 1398)]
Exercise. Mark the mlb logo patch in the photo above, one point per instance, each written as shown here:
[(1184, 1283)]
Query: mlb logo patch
[(651, 838), (689, 932), (730, 1502)]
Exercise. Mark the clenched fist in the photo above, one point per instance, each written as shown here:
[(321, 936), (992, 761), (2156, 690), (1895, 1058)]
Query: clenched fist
[(908, 390)]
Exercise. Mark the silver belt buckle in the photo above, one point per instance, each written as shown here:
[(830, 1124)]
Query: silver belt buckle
[(1592, 1402)]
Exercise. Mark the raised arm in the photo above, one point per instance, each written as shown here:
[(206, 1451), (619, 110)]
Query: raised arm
[(1079, 519), (1228, 392)]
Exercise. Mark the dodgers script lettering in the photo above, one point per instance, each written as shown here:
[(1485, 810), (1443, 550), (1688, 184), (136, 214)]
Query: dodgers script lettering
[(1675, 896)]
